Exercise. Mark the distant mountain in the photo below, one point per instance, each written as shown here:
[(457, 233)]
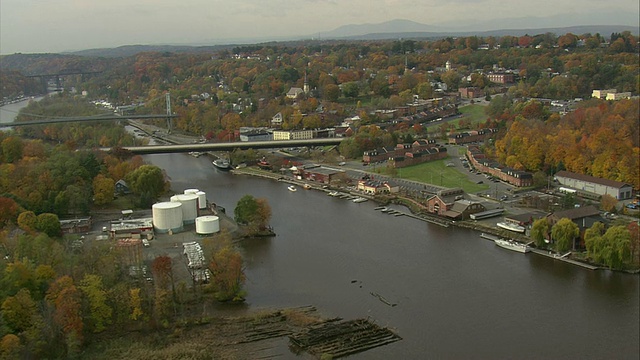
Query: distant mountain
[(516, 27), (393, 26)]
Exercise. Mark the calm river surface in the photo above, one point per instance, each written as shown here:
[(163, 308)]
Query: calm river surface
[(457, 296)]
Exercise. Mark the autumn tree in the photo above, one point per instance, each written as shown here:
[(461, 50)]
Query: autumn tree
[(18, 311), (226, 269), (563, 234), (608, 202), (162, 269), (103, 190), (8, 210), (65, 299), (252, 212), (96, 297)]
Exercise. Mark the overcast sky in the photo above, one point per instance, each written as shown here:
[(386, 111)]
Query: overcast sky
[(33, 26)]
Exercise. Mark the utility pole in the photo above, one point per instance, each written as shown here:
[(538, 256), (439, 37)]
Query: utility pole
[(168, 100)]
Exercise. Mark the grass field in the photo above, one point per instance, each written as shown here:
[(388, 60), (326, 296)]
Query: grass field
[(438, 173), (472, 113)]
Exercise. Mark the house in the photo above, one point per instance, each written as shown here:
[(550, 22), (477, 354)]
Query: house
[(372, 156), (501, 78), (443, 201), (374, 187), (462, 209), (255, 135), (294, 92), (584, 217), (122, 187), (322, 175), (593, 185), (276, 120), (470, 92), (75, 226)]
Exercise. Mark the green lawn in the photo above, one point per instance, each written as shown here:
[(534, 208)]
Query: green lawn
[(437, 173), (473, 113)]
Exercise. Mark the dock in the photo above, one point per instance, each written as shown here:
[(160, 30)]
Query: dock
[(564, 258)]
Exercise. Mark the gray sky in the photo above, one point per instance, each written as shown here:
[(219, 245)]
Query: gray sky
[(32, 26)]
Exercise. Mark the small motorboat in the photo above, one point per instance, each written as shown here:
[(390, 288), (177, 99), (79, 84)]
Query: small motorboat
[(292, 188)]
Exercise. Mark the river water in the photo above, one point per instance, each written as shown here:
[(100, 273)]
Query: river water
[(456, 296)]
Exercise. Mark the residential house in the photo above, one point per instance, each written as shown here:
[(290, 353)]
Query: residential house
[(294, 92), (584, 217), (276, 120), (122, 187)]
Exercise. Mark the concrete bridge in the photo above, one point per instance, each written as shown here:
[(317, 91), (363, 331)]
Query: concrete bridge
[(229, 146)]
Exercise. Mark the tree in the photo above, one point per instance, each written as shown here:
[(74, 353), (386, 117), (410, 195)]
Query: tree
[(10, 347), (8, 210), (563, 233), (350, 89), (49, 224), (12, 149), (100, 313), (135, 303), (147, 180), (226, 269), (608, 202), (331, 92), (18, 311), (540, 232), (65, 298), (103, 190)]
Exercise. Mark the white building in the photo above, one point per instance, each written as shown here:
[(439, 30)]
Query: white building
[(594, 185), (293, 135)]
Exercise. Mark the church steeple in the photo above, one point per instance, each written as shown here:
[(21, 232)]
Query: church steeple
[(305, 88)]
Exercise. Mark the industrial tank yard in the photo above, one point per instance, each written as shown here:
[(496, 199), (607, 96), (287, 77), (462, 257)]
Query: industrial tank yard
[(175, 229)]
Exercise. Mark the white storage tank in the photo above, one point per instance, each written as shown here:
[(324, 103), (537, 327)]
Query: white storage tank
[(189, 206), (202, 200), (167, 216), (191, 191), (206, 225)]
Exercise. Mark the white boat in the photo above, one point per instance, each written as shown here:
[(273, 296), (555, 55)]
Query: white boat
[(512, 245), (222, 164), (359, 199), (511, 227), (332, 193), (292, 188)]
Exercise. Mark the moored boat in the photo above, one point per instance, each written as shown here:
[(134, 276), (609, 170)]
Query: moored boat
[(222, 164), (511, 227), (292, 188), (359, 199), (512, 245)]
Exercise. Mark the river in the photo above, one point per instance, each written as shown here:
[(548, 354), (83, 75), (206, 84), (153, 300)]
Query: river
[(9, 112), (456, 295)]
